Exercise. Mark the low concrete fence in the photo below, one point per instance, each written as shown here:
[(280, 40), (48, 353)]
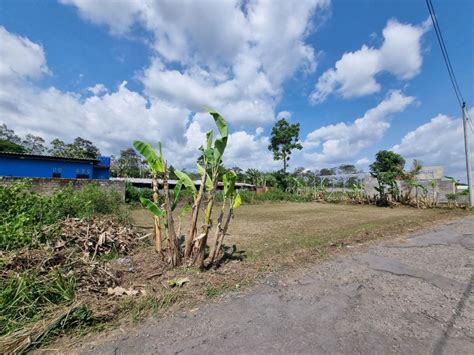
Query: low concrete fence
[(441, 188), (48, 186)]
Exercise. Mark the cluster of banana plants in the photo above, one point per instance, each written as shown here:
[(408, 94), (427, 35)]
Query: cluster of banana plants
[(168, 239)]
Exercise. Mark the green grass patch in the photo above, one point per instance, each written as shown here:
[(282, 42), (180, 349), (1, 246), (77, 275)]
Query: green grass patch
[(24, 214), (26, 297)]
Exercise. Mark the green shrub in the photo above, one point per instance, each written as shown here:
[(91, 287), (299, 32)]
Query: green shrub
[(250, 197), (24, 214), (133, 194)]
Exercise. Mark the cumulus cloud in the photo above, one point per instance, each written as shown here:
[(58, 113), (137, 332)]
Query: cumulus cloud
[(227, 54), (438, 142), (355, 73), (111, 119), (20, 57), (231, 55), (97, 89), (342, 142)]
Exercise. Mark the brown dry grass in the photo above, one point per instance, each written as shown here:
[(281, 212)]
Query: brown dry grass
[(283, 229), (273, 237)]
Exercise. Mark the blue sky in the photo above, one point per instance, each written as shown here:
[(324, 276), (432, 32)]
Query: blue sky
[(63, 68)]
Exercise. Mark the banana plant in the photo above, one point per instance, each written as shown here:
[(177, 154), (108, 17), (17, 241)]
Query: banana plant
[(205, 183), (212, 157), (232, 199), (157, 167), (210, 169)]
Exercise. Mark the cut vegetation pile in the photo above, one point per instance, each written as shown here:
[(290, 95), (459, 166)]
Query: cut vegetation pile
[(51, 266), (98, 236)]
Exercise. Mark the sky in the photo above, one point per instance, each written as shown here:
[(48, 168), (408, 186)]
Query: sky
[(358, 75)]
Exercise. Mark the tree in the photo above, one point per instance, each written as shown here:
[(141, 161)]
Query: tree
[(82, 148), (34, 144), (128, 164), (284, 139), (7, 146), (388, 166), (9, 135), (347, 169), (9, 141), (57, 148), (327, 171), (411, 182)]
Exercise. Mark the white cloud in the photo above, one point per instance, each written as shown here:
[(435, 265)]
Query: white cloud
[(20, 57), (438, 142), (113, 119), (231, 55), (119, 15), (342, 142), (97, 89), (284, 114), (363, 163), (355, 73)]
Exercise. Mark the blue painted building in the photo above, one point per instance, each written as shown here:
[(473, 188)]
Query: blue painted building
[(41, 166)]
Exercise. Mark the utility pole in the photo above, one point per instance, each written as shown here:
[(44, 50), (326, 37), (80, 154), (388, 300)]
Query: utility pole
[(467, 146)]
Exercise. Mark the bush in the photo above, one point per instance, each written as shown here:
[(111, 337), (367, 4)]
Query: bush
[(133, 194), (24, 214), (249, 197)]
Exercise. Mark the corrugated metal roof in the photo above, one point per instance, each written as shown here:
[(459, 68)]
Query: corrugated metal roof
[(46, 157), (171, 182)]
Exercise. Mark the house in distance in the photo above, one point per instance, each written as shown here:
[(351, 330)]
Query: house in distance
[(42, 166)]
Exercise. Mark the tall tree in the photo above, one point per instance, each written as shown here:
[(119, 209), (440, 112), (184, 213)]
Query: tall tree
[(347, 169), (284, 139), (82, 148), (388, 166), (57, 148), (34, 144), (9, 135), (128, 164), (327, 171), (9, 141)]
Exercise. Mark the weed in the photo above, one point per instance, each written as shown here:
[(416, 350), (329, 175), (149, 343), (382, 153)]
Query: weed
[(26, 297), (24, 214), (212, 292), (143, 306)]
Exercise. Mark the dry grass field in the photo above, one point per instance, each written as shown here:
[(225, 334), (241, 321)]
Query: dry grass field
[(282, 230), (265, 239)]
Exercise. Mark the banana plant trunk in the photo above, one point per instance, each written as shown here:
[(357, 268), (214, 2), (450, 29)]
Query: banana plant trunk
[(156, 219), (195, 215), (200, 247), (220, 234), (173, 247), (214, 250)]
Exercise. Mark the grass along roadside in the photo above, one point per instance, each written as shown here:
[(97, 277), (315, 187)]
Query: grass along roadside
[(269, 238)]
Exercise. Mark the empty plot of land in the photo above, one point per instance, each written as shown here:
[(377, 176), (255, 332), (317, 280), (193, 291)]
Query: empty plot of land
[(279, 230), (410, 295)]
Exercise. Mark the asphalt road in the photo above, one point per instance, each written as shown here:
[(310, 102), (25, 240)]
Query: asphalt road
[(410, 296)]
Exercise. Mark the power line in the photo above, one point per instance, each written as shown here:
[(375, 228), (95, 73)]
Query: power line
[(466, 119), (444, 51)]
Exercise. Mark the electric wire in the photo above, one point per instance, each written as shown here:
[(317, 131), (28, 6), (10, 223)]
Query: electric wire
[(444, 51)]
